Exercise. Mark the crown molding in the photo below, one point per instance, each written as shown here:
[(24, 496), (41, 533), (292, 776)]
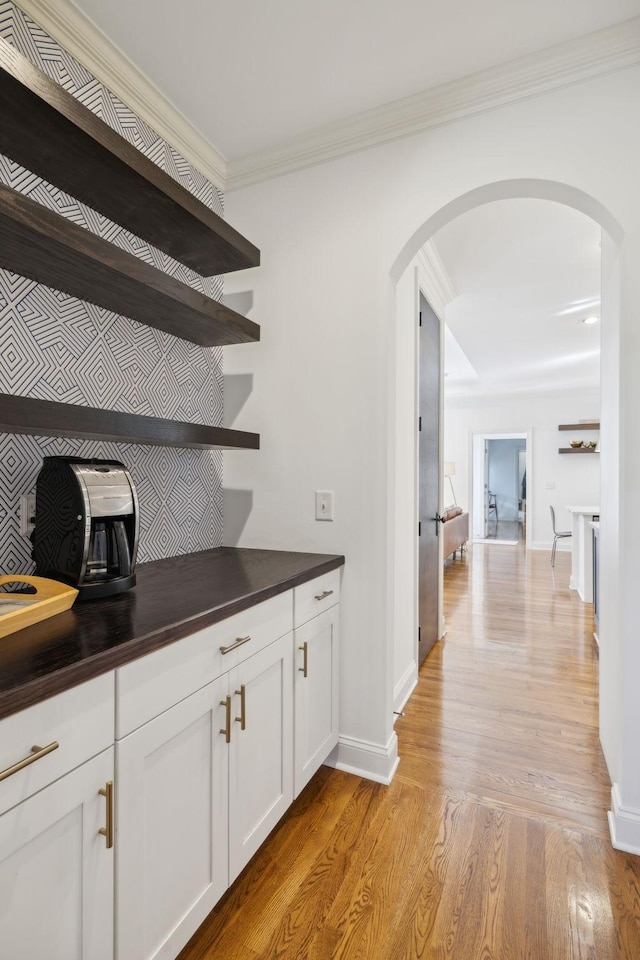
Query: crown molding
[(614, 48), (80, 37), (435, 282), (605, 51)]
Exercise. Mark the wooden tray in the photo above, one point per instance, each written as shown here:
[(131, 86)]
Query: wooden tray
[(18, 610)]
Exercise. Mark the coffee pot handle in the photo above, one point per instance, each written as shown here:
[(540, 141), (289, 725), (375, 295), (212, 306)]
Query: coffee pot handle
[(122, 543)]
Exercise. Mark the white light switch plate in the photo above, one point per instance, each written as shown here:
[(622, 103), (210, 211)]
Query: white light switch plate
[(324, 504)]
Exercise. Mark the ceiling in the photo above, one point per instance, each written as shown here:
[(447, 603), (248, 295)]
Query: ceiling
[(251, 74), (525, 272)]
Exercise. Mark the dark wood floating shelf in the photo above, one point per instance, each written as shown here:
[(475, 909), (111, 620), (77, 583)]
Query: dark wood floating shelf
[(48, 131), (594, 425), (51, 419), (37, 243), (578, 450)]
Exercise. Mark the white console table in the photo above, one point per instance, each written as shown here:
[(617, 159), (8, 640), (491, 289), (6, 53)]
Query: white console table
[(582, 551)]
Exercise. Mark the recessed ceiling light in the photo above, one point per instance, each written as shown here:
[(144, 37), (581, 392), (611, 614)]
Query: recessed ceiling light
[(589, 320)]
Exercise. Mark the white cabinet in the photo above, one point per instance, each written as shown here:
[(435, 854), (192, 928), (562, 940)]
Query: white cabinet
[(199, 788), (316, 695), (74, 725), (56, 870), (56, 873), (316, 674), (172, 827), (213, 734), (153, 683), (261, 754)]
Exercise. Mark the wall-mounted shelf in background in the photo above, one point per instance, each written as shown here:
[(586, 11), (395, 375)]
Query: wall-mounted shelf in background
[(577, 450), (591, 425), (48, 418)]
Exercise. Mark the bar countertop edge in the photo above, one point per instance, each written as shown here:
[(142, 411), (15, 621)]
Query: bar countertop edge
[(172, 599)]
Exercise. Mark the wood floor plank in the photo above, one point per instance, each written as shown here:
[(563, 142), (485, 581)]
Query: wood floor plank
[(492, 842), (412, 932)]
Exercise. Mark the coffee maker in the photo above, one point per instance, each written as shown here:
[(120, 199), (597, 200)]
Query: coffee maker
[(86, 525)]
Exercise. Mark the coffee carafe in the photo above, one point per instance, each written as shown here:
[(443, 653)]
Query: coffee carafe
[(86, 525)]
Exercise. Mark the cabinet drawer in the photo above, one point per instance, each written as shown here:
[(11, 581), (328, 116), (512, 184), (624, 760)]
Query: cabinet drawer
[(310, 599), (150, 685), (80, 720)]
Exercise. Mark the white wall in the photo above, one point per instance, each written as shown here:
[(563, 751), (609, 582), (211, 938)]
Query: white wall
[(575, 478), (324, 387)]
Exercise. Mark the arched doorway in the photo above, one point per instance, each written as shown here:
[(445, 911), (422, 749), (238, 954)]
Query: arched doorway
[(402, 561)]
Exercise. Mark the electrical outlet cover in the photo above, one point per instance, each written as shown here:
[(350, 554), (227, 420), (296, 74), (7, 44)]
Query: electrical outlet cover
[(27, 513), (324, 504)]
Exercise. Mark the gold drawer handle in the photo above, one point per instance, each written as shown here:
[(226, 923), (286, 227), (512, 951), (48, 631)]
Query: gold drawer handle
[(226, 703), (305, 664), (242, 719), (234, 646), (36, 753), (107, 832), (324, 594)]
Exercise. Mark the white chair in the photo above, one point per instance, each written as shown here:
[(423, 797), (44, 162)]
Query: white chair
[(557, 535)]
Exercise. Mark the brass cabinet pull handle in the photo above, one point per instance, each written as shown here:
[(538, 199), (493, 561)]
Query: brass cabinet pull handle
[(236, 643), (305, 664), (226, 703), (324, 594), (36, 753), (107, 832), (242, 719)]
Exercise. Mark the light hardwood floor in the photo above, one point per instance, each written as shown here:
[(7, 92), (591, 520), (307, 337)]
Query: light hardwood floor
[(492, 842)]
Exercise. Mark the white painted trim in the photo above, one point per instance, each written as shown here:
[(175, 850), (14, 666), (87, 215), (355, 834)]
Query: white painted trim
[(365, 759), (523, 435), (476, 491), (435, 282), (547, 545), (80, 37), (575, 61), (500, 543), (405, 687), (624, 824), (435, 285)]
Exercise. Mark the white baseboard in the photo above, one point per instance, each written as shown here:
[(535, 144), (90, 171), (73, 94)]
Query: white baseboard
[(624, 824), (405, 687), (364, 759), (547, 545)]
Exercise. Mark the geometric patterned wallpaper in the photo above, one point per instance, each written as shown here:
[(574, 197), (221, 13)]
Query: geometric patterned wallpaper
[(55, 347)]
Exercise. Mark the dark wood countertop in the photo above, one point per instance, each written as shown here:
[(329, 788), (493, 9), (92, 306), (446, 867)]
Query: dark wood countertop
[(172, 599)]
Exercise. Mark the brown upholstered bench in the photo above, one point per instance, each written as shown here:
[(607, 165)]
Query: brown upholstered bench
[(455, 530)]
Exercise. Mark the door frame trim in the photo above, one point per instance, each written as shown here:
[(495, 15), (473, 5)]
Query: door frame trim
[(423, 288), (507, 435)]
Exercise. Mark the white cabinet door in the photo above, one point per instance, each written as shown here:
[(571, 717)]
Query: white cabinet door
[(56, 873), (171, 827), (316, 694), (261, 754)]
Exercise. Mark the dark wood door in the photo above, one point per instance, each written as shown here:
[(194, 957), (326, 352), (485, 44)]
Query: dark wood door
[(429, 484)]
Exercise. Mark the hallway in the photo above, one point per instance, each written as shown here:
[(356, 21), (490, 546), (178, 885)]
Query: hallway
[(492, 841)]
